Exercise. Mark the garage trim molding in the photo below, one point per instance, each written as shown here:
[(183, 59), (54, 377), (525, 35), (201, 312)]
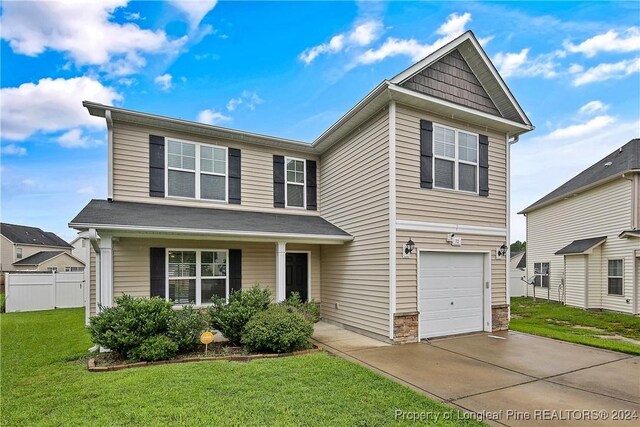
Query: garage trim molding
[(403, 224), (486, 291)]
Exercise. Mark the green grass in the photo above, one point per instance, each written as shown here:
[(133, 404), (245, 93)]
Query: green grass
[(554, 320), (45, 382)]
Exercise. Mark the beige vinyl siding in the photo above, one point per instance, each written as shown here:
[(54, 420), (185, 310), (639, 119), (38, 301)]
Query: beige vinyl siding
[(355, 276), (131, 170), (131, 264), (8, 253), (407, 269), (446, 206), (575, 276), (59, 262), (601, 211)]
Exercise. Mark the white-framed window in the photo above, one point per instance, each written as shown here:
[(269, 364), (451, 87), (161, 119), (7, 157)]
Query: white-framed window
[(18, 253), (295, 188), (455, 159), (615, 277), (52, 269), (194, 276), (67, 269), (541, 274), (196, 171)]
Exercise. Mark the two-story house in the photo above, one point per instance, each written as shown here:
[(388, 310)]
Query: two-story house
[(583, 238), (395, 218), (25, 248)]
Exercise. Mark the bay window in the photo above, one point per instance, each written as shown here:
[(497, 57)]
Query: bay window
[(455, 159), (196, 275), (196, 171)]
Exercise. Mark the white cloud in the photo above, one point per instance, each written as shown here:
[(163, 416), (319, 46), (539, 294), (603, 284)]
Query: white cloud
[(84, 31), (13, 150), (87, 189), (133, 16), (233, 103), (583, 129), (361, 34), (593, 107), (212, 117), (449, 30), (51, 105), (195, 10), (607, 71), (75, 138), (520, 65), (164, 81), (611, 41), (575, 68), (251, 99)]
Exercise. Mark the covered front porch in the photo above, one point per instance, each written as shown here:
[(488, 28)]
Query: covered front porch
[(146, 251)]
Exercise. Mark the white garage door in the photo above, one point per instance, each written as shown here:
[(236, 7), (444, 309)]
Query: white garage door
[(451, 293)]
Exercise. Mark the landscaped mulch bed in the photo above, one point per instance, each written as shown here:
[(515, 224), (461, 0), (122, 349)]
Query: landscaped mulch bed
[(106, 362)]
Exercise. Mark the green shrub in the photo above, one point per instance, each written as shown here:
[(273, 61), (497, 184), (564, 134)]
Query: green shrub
[(278, 329), (184, 327), (310, 310), (157, 347), (125, 326), (3, 302), (230, 318)]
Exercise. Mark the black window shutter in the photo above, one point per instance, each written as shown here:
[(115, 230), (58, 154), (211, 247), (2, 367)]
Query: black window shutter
[(234, 176), (312, 195), (426, 154), (156, 166), (278, 181), (235, 270), (157, 263), (483, 163)]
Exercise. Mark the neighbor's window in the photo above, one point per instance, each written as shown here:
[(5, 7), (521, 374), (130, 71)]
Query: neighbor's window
[(615, 277), (295, 188), (196, 171), (455, 159), (52, 269), (67, 269), (196, 275), (18, 253), (541, 272)]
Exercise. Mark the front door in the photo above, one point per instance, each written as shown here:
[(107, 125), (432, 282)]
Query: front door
[(297, 275)]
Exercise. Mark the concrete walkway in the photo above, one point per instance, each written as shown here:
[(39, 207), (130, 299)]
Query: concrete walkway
[(514, 378)]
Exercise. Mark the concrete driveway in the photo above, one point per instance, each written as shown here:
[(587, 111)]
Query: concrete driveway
[(514, 378)]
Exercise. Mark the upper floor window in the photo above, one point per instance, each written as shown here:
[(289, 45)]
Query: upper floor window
[(615, 277), (196, 171), (455, 157), (18, 253), (541, 272), (295, 185)]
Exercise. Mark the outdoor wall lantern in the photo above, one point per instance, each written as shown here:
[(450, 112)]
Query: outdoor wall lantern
[(501, 251), (408, 248)]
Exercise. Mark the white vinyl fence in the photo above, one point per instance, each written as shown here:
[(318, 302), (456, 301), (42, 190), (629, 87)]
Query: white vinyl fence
[(32, 291), (517, 285)]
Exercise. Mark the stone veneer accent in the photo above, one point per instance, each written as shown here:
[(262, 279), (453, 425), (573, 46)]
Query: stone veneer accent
[(500, 317), (405, 327)]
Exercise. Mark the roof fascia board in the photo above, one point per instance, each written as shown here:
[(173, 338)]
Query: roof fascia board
[(577, 191), (222, 234), (99, 110), (46, 260)]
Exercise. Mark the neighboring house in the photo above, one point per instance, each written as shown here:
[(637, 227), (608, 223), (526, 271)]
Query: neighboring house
[(80, 248), (195, 210), (517, 269), (583, 238), (30, 248)]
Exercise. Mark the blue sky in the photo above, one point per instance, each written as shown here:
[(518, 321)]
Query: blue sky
[(291, 69)]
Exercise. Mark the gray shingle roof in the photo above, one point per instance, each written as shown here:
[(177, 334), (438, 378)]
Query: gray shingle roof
[(522, 264), (38, 258), (581, 246), (103, 214), (31, 235), (622, 160)]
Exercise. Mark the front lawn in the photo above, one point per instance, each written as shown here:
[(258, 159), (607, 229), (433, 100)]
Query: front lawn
[(44, 381), (611, 331)]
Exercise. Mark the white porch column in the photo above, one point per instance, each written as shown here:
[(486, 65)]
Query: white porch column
[(281, 252), (106, 271)]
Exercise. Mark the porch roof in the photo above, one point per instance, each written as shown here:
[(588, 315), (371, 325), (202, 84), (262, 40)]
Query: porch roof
[(154, 217), (581, 246)]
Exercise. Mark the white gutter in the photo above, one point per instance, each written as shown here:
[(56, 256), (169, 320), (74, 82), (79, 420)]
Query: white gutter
[(107, 116)]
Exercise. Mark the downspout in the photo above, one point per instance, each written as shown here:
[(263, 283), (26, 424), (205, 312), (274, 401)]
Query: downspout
[(514, 140), (635, 218), (93, 238), (107, 116)]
